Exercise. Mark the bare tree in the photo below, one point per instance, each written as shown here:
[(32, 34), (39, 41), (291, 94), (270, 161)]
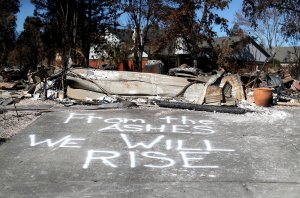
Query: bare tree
[(267, 31), (288, 9), (143, 14), (190, 23)]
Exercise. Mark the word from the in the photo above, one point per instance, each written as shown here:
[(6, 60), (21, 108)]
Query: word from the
[(171, 124)]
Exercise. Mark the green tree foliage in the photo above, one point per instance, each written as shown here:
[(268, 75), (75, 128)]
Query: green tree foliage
[(8, 10)]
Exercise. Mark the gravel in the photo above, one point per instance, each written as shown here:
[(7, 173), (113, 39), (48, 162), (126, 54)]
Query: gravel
[(12, 122)]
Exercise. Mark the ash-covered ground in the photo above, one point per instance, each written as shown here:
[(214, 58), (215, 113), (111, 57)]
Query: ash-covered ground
[(12, 122)]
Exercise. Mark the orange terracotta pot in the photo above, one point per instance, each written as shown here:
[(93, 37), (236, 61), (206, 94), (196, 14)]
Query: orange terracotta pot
[(263, 96)]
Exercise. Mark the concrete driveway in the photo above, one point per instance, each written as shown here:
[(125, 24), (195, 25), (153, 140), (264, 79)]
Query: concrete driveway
[(154, 153)]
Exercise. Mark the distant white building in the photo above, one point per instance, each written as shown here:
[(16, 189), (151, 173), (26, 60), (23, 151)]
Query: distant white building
[(99, 56), (97, 53), (180, 47)]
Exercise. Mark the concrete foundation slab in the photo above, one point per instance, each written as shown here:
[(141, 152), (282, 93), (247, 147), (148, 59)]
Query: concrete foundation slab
[(153, 153)]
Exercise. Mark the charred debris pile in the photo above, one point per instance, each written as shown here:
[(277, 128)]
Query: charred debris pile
[(184, 88)]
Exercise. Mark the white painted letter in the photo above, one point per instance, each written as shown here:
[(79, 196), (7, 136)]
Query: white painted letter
[(151, 155), (131, 127), (125, 138), (179, 147), (161, 128), (74, 116), (184, 120), (104, 159), (179, 129), (48, 141), (112, 127), (114, 120), (134, 120), (168, 144), (132, 159), (206, 122), (90, 119), (209, 147), (203, 130)]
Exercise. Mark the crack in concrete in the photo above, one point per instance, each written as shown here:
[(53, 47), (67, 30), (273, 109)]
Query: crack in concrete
[(296, 147)]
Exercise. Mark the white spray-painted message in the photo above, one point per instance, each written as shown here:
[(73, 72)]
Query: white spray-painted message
[(139, 151), (168, 124)]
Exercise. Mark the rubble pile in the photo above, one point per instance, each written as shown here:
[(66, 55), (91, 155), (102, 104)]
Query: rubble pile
[(186, 85)]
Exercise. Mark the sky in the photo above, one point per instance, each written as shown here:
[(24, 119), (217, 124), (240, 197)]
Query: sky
[(26, 9), (229, 13)]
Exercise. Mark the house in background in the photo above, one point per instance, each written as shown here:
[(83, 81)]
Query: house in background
[(116, 53), (244, 51), (247, 53), (287, 56), (288, 59)]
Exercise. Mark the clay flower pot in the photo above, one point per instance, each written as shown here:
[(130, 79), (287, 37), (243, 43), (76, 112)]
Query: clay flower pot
[(263, 96)]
